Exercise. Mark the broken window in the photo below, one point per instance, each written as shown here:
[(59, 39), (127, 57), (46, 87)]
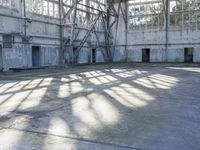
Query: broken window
[(184, 12), (43, 7), (13, 4), (145, 13), (85, 15)]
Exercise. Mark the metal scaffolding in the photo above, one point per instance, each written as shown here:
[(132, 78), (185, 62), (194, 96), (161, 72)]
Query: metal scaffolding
[(102, 16), (107, 14)]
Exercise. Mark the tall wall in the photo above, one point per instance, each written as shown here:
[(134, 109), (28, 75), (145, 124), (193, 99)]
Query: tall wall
[(131, 42), (43, 31)]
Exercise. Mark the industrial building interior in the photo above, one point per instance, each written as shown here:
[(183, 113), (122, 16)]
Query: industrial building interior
[(99, 74)]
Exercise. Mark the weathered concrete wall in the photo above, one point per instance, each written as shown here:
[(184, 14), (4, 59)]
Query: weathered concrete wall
[(84, 55), (18, 56), (1, 59), (175, 55), (155, 39), (99, 55), (119, 54), (197, 54), (134, 54), (49, 56), (44, 32), (157, 55)]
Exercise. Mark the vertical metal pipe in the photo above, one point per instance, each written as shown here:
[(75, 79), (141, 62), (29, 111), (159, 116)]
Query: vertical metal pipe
[(73, 21), (167, 27), (116, 28), (166, 5), (24, 9), (25, 30), (75, 2), (126, 30), (61, 53)]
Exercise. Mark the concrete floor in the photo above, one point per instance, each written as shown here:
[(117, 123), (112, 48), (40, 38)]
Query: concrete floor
[(102, 107)]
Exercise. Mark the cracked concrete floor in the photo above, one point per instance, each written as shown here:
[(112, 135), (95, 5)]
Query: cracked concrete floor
[(101, 107)]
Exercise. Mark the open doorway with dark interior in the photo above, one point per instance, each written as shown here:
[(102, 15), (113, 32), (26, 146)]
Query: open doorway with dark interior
[(75, 55), (146, 55), (35, 56), (188, 55), (93, 55), (1, 59)]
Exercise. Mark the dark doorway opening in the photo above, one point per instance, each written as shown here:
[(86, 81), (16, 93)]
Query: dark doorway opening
[(188, 55), (93, 55), (75, 55), (35, 56), (1, 59), (146, 55)]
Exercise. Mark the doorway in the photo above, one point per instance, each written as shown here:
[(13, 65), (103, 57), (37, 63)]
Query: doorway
[(1, 59), (35, 56), (75, 55), (93, 55), (188, 55), (146, 55)]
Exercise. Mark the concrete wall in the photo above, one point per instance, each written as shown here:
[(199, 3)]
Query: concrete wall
[(134, 53), (85, 55), (1, 59), (197, 54), (18, 56), (49, 56), (99, 55), (45, 33), (155, 39)]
